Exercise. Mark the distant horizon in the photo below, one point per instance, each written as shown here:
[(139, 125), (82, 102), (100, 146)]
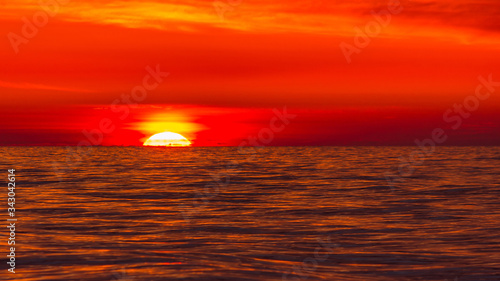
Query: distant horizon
[(162, 147)]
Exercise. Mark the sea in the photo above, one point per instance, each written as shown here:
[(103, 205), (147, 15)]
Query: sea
[(264, 213)]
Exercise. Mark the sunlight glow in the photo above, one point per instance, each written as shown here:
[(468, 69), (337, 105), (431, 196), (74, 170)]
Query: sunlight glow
[(167, 139)]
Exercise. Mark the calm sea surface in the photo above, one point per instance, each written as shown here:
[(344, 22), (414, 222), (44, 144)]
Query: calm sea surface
[(282, 213)]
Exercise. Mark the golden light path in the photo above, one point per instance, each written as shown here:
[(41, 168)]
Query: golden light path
[(167, 139)]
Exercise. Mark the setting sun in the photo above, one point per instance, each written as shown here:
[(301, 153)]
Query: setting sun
[(167, 139)]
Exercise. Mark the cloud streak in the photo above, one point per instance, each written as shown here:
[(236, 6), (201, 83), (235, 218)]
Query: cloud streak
[(318, 17), (32, 86)]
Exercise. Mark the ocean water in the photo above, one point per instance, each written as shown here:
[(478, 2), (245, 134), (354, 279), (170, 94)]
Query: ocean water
[(277, 213)]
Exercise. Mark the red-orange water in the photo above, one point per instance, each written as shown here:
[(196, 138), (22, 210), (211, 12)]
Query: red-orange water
[(283, 213)]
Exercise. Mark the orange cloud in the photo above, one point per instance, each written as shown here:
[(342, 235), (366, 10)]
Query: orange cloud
[(30, 86), (335, 18)]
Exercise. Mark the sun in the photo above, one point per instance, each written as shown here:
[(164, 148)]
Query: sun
[(167, 139)]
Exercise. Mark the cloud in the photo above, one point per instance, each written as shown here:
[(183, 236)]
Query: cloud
[(31, 86), (480, 15), (332, 17)]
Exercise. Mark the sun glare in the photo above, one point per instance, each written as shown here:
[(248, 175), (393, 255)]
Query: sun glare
[(167, 139)]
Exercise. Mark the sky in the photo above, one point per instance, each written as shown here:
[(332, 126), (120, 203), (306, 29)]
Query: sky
[(350, 72)]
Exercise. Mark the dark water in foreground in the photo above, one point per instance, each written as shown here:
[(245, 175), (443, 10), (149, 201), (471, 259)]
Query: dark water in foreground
[(289, 213)]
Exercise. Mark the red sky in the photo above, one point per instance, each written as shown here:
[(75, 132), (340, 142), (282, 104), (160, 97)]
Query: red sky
[(227, 75)]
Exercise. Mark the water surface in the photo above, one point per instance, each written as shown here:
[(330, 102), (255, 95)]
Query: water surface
[(282, 213)]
